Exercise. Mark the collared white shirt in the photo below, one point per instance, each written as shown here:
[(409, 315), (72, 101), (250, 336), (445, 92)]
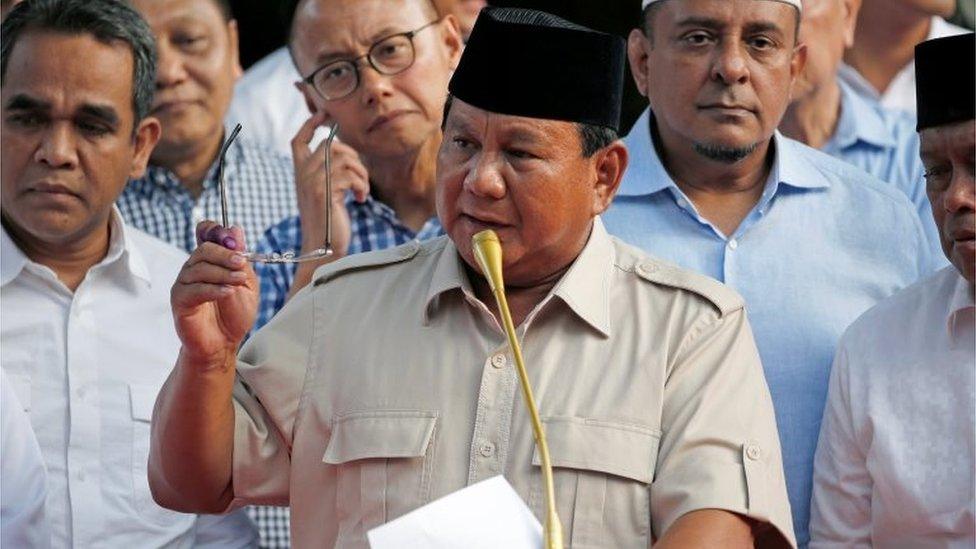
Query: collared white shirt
[(900, 94), (23, 522), (894, 466), (87, 366)]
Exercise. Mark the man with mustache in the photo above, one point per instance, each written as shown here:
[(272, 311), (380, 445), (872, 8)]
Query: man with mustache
[(198, 65), (387, 382), (894, 465), (809, 241), (85, 297)]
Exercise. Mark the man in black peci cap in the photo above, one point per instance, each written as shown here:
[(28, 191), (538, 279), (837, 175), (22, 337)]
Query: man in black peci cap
[(894, 466), (388, 383)]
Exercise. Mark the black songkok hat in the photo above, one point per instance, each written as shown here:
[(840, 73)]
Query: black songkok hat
[(945, 80), (530, 63)]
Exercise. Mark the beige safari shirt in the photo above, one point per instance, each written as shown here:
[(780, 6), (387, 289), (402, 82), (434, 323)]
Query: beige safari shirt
[(386, 384)]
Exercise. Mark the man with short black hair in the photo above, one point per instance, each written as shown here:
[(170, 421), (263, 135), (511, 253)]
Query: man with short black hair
[(809, 241), (85, 326)]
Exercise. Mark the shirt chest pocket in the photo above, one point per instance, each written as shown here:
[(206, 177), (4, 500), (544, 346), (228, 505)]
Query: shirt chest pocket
[(383, 461), (602, 472)]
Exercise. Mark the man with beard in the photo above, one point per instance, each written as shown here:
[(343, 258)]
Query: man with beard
[(809, 241)]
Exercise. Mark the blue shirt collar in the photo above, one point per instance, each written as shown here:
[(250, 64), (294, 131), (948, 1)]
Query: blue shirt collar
[(160, 178), (646, 174), (860, 120)]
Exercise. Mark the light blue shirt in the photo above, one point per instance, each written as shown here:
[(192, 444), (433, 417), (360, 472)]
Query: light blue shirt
[(884, 143), (824, 243)]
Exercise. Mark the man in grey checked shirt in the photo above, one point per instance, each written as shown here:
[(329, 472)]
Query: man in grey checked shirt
[(198, 66)]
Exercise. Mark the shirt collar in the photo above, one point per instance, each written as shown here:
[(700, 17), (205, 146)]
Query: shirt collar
[(585, 287), (860, 120), (120, 247), (960, 302), (647, 175)]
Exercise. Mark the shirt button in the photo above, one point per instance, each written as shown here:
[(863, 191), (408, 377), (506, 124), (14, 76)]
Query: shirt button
[(499, 361), (487, 449), (81, 392), (80, 475), (753, 452), (682, 203), (733, 244)]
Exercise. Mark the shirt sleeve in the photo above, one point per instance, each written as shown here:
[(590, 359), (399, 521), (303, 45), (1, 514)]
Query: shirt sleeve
[(24, 491), (840, 512), (271, 372), (719, 447)]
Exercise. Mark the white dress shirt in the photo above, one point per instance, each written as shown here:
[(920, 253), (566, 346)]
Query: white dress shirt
[(267, 104), (895, 462), (86, 366), (900, 94), (24, 482)]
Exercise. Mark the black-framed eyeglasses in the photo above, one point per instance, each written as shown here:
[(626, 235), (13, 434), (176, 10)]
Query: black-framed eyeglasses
[(391, 55)]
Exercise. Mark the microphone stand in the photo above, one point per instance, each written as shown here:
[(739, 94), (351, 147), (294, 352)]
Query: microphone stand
[(488, 254)]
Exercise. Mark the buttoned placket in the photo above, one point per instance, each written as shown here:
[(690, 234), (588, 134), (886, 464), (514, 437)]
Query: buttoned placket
[(496, 401), (84, 436)]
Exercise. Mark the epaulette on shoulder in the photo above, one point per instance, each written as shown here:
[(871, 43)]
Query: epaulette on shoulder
[(725, 299), (366, 261)]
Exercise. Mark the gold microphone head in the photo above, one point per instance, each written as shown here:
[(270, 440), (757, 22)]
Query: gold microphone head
[(488, 254)]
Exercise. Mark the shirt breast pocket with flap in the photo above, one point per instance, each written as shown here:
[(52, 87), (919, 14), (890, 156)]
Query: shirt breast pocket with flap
[(383, 461), (602, 472)]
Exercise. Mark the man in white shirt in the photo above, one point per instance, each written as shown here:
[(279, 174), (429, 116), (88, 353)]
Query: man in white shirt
[(85, 298), (23, 522), (894, 465), (879, 64)]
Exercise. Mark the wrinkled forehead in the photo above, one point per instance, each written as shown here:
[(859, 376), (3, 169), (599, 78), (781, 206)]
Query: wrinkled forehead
[(466, 118), (324, 30)]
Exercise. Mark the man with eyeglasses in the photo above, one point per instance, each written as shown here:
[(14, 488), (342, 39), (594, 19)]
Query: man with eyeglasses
[(198, 65), (380, 72)]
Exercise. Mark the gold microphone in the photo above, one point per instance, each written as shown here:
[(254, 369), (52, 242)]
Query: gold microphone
[(488, 254)]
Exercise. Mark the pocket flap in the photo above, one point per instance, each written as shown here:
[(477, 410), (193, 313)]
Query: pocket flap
[(143, 398), (621, 449), (380, 434)]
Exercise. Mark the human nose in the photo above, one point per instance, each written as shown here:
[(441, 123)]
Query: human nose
[(730, 64), (485, 179), (374, 84), (961, 193), (57, 148), (170, 69)]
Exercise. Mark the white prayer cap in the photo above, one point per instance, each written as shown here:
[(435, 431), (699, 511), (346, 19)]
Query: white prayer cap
[(795, 3)]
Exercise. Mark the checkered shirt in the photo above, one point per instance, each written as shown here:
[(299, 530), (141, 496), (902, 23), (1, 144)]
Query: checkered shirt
[(374, 227), (260, 188), (273, 526)]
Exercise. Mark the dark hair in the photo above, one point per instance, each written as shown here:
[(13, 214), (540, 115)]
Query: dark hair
[(592, 137), (106, 20), (225, 9)]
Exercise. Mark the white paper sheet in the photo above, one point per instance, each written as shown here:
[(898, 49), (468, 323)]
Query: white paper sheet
[(486, 515)]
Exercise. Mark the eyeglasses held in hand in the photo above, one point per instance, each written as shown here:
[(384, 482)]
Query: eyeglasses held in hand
[(285, 257)]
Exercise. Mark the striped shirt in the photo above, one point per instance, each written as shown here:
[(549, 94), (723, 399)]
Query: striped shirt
[(260, 189), (375, 226)]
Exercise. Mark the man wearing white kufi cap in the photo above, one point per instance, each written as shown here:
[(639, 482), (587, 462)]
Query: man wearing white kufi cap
[(809, 241)]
